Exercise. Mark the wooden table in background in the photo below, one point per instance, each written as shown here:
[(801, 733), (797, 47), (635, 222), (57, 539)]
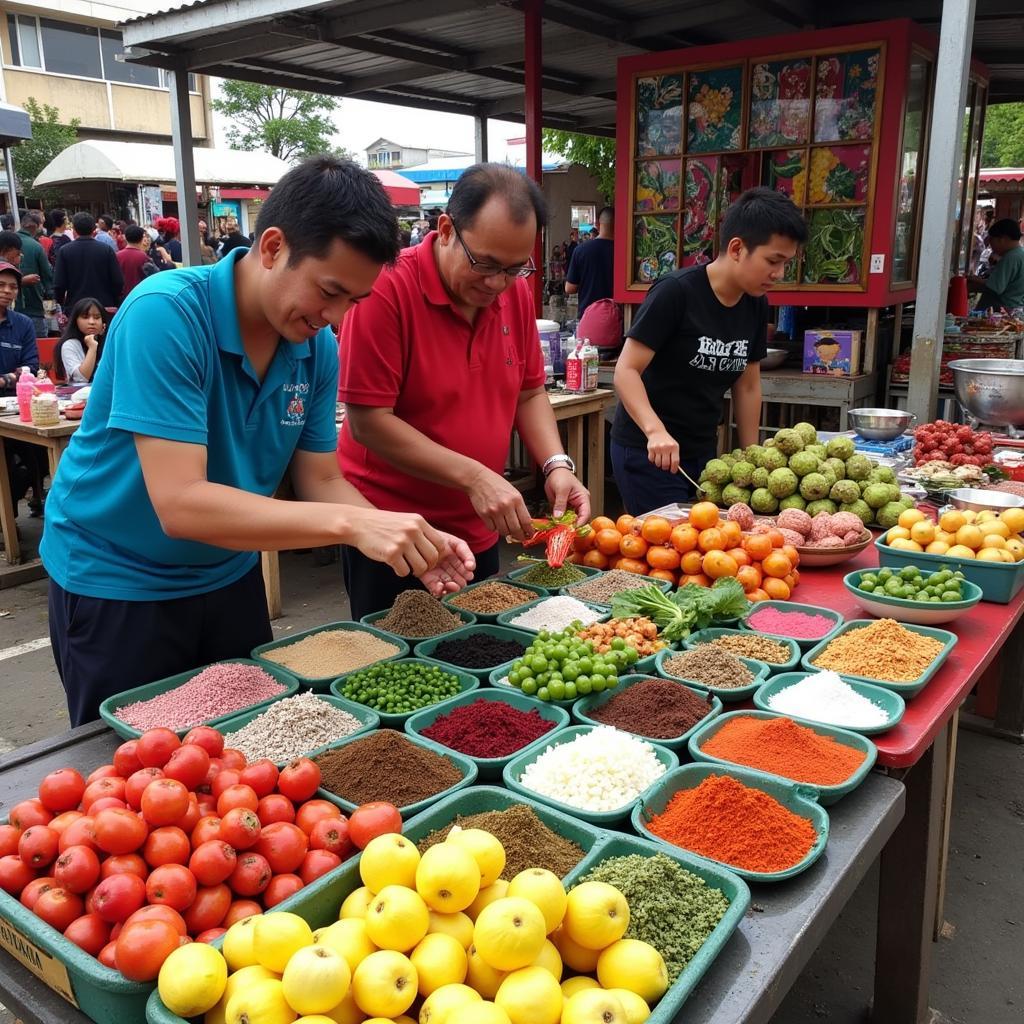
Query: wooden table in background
[(583, 416)]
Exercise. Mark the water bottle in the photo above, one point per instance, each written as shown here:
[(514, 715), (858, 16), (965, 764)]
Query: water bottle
[(25, 389)]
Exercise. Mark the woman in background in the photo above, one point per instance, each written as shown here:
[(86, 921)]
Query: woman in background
[(81, 345)]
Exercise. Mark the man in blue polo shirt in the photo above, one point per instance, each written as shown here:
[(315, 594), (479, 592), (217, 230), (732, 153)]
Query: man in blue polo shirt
[(215, 382)]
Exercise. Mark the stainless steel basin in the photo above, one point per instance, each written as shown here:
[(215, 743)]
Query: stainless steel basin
[(991, 390), (879, 424)]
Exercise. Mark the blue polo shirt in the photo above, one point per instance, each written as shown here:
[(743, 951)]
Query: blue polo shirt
[(17, 343), (174, 367)]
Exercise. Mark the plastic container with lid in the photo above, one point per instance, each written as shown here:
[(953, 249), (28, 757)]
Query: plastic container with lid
[(550, 345)]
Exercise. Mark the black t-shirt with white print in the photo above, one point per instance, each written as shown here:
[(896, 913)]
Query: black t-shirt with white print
[(700, 348)]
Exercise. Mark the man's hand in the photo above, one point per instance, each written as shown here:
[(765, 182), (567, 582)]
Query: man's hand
[(454, 571), (403, 540), (30, 279), (500, 505), (663, 451), (564, 491)]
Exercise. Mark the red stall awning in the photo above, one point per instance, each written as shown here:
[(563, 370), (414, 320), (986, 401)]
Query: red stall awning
[(401, 191)]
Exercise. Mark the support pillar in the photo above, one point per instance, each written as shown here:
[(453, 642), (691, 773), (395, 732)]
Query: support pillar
[(12, 187), (480, 138), (534, 112), (184, 165)]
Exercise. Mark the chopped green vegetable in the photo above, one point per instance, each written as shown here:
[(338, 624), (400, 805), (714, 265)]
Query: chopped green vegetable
[(689, 609)]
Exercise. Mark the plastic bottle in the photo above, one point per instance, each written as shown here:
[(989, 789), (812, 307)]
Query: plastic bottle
[(589, 357), (574, 367), (25, 388)]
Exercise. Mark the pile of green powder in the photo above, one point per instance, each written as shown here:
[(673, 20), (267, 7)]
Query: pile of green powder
[(669, 907), (542, 575)]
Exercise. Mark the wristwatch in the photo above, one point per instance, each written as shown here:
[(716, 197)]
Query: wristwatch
[(559, 461)]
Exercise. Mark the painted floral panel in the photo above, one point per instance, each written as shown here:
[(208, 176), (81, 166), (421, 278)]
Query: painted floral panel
[(655, 246), (786, 172), (780, 103), (835, 244), (700, 210), (839, 174), (658, 184), (659, 115), (846, 96), (715, 114)]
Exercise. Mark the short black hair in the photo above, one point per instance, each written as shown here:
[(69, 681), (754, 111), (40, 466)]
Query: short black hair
[(83, 223), (6, 221), (1005, 228), (10, 240), (133, 234), (606, 215), (326, 198), (107, 221), (760, 213), (827, 340), (56, 218), (480, 182)]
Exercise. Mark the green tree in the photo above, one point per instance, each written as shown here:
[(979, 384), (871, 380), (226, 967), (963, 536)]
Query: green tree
[(1003, 143), (49, 138), (287, 123), (593, 152)]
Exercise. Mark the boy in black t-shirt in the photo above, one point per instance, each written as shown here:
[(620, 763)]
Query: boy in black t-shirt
[(699, 333)]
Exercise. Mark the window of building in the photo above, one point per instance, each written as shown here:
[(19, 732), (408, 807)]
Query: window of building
[(70, 49), (396, 157), (24, 38), (115, 70)]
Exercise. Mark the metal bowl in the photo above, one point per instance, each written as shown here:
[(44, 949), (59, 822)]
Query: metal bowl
[(991, 390), (774, 359), (979, 500), (880, 424)]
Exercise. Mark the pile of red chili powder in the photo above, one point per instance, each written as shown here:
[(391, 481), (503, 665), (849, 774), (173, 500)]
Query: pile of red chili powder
[(798, 625), (487, 728)]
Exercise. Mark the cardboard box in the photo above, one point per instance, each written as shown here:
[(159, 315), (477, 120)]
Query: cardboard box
[(832, 353)]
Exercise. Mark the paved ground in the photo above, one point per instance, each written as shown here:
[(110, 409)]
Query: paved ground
[(977, 977)]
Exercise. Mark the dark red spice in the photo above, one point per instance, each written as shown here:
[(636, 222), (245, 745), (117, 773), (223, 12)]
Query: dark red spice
[(487, 728)]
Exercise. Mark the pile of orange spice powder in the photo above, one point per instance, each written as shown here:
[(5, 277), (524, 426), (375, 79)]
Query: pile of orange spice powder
[(782, 747), (726, 821)]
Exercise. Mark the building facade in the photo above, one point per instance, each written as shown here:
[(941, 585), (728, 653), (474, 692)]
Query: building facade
[(384, 154)]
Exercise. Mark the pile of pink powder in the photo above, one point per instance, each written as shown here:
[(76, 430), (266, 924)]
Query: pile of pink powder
[(797, 625), (216, 691)]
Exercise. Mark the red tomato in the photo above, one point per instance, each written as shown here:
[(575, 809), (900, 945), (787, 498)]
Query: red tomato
[(233, 759), (137, 783), (62, 821), (15, 874), (105, 771), (61, 790), (29, 813), (107, 956), (317, 863), (189, 765), (173, 885), (213, 862), (119, 830), (167, 845), (210, 934), (89, 932), (58, 908), (164, 802), (224, 779), (240, 910), (216, 767), (126, 759), (124, 864), (237, 796), (299, 780), (118, 897), (111, 786), (280, 888), (240, 828), (142, 949), (9, 836), (37, 846), (77, 869), (207, 828), (275, 808), (155, 746), (332, 834), (251, 876), (206, 737), (103, 803), (190, 818), (207, 805), (208, 908), (284, 845), (372, 820), (81, 832), (313, 811), (159, 912), (36, 888), (261, 776)]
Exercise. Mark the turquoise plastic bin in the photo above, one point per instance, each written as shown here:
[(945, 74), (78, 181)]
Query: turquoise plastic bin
[(426, 648), (468, 619), (516, 575), (826, 795), (705, 636), (505, 618), (798, 799), (724, 693), (792, 606), (906, 690), (492, 616), (925, 613)]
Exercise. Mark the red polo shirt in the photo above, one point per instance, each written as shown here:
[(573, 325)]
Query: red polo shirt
[(406, 347)]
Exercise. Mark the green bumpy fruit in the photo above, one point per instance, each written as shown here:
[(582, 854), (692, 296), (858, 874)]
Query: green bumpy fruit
[(814, 487), (742, 473), (754, 453), (782, 482), (803, 463), (858, 467), (793, 501), (877, 495), (711, 492), (840, 448), (837, 466), (817, 449), (888, 515), (789, 442), (807, 433), (844, 491), (759, 478), (764, 502), (773, 458), (824, 505), (718, 471), (734, 494), (861, 509)]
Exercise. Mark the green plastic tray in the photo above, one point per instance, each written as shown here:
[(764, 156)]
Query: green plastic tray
[(705, 636), (490, 768), (468, 619), (503, 670), (735, 890), (109, 707), (725, 694), (369, 719), (906, 690), (921, 613), (999, 581), (791, 606), (891, 703), (505, 617), (641, 581), (798, 799), (517, 574), (607, 819), (426, 648), (463, 763), (467, 682), (492, 616), (827, 795), (324, 682), (582, 708)]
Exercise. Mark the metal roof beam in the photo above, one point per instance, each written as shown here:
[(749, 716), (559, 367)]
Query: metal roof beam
[(268, 41), (203, 19), (797, 13), (664, 30), (376, 17)]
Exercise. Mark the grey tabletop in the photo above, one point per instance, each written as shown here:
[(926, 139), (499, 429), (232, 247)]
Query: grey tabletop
[(747, 981)]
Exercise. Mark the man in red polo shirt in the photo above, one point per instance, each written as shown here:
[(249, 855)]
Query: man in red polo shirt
[(438, 365)]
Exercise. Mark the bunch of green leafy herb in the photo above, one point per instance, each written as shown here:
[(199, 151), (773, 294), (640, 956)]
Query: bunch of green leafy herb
[(687, 610)]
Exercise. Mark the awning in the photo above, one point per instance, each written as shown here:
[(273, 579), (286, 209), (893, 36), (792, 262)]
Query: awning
[(1003, 175), (139, 163), (401, 191), (15, 125)]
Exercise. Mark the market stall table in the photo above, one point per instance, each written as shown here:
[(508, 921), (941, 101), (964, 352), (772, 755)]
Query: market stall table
[(583, 416)]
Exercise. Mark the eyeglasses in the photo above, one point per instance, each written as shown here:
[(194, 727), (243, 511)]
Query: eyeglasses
[(485, 269)]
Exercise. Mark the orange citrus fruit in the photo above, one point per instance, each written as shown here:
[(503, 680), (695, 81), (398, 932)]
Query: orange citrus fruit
[(624, 524), (777, 590), (749, 576), (742, 558), (733, 532), (704, 515), (634, 565), (662, 574), (596, 559), (602, 523), (777, 565), (757, 545), (777, 539), (712, 539), (632, 546), (684, 538), (697, 578), (758, 595), (690, 563), (661, 557), (607, 541), (656, 530), (584, 543), (717, 564), (791, 553)]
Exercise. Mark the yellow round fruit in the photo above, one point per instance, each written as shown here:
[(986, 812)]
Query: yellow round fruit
[(960, 551), (997, 526), (993, 540), (1014, 519), (495, 891), (596, 915), (593, 1006), (481, 976), (316, 1018), (390, 859), (355, 903), (260, 1003), (530, 996), (478, 1013), (970, 536), (192, 979), (905, 545), (897, 533), (385, 984), (543, 888), (990, 555), (347, 937), (439, 960), (986, 515), (633, 965), (397, 918), (937, 547), (969, 515), (549, 959), (1006, 555), (923, 532), (1016, 548), (316, 979), (909, 517), (437, 1007), (346, 1012), (945, 537), (577, 984), (447, 878), (485, 849), (247, 976), (952, 521), (509, 933), (574, 956), (458, 925), (238, 943), (637, 1010), (278, 937)]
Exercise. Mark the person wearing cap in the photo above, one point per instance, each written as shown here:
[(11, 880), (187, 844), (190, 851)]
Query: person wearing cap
[(17, 335)]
